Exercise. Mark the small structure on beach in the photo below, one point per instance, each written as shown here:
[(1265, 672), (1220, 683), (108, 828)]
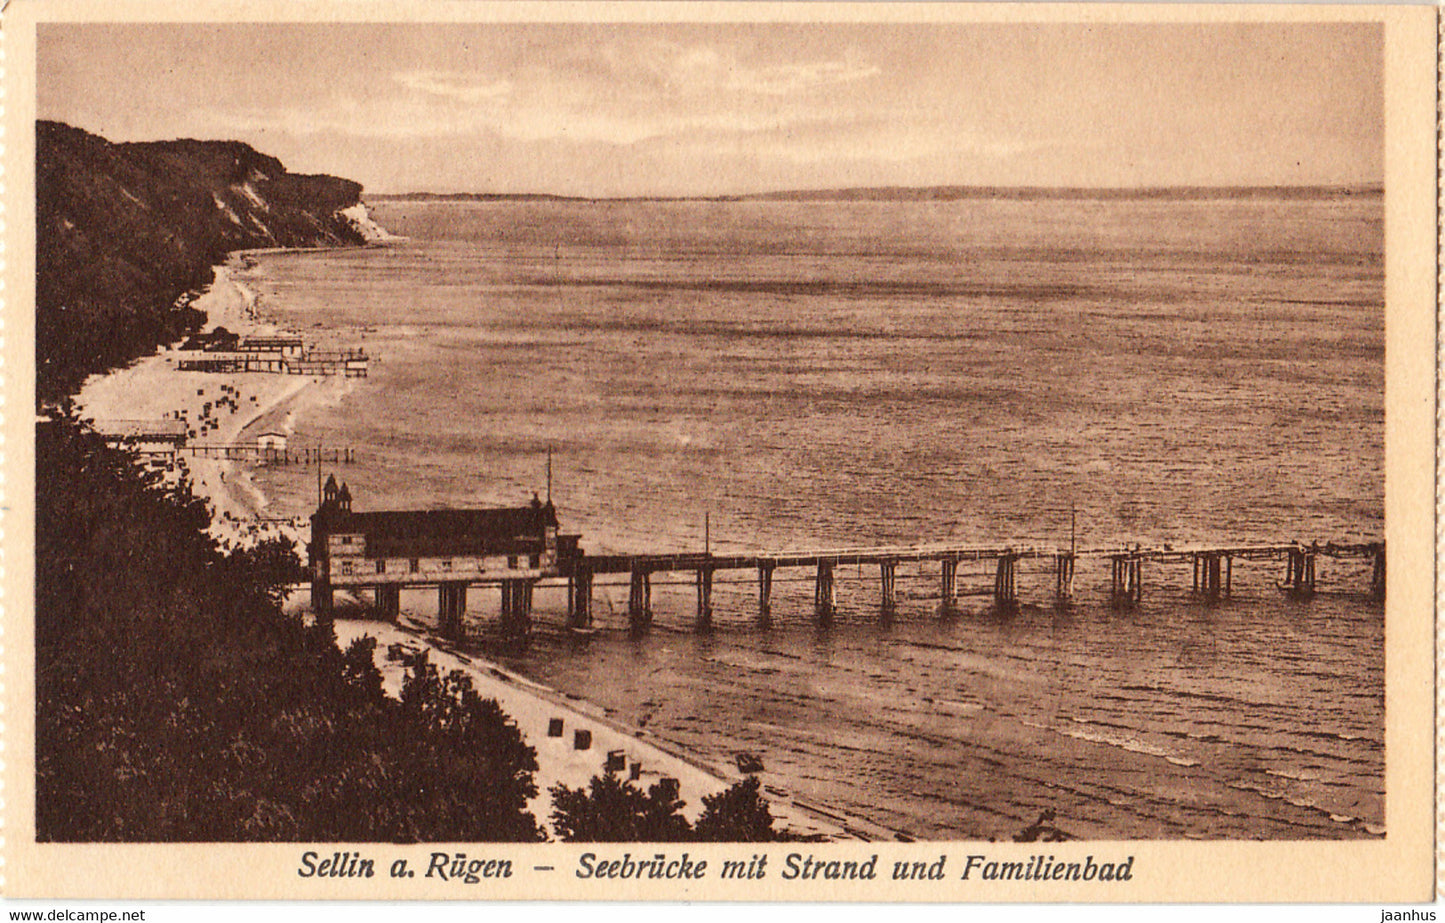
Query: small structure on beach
[(217, 340), (449, 548), (271, 443)]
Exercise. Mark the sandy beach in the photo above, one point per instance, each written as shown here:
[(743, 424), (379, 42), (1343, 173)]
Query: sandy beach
[(216, 409)]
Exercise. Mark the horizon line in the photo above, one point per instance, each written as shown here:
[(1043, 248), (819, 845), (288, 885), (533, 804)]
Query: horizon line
[(920, 193)]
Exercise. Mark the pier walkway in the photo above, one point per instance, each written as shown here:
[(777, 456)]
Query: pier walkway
[(1212, 581), (1213, 572)]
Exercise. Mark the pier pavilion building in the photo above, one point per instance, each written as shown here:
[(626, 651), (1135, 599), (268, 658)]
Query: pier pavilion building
[(448, 548)]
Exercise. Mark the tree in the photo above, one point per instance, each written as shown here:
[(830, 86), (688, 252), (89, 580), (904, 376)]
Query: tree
[(176, 701), (737, 815), (613, 810)]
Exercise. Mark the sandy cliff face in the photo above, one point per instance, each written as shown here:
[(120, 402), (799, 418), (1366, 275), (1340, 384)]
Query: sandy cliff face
[(124, 230), (360, 220)]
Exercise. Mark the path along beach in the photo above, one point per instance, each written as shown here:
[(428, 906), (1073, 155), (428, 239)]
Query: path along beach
[(233, 408)]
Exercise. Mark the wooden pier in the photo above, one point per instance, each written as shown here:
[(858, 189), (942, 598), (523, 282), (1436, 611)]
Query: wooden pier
[(1213, 574), (1212, 578), (517, 548)]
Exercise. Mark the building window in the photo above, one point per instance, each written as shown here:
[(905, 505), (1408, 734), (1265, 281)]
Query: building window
[(415, 565), (512, 562), (381, 567), (534, 561), (447, 564), (345, 568)]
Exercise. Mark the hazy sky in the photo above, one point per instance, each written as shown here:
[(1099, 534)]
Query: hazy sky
[(696, 109)]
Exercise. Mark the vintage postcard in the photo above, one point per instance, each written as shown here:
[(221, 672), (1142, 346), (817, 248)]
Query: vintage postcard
[(756, 452)]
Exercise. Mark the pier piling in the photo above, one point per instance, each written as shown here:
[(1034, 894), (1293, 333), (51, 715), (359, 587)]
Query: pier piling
[(765, 593), (1210, 580), (516, 607), (1127, 583), (579, 599), (1005, 595), (639, 600), (704, 598), (1064, 577), (949, 590), (388, 601), (824, 600), (888, 584), (1300, 572), (451, 609)]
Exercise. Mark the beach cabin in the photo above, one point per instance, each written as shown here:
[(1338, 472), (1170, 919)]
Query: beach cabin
[(356, 364), (271, 444)]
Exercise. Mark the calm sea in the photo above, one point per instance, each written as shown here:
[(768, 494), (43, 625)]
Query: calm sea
[(822, 374)]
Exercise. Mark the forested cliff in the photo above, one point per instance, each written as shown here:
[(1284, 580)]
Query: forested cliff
[(123, 231)]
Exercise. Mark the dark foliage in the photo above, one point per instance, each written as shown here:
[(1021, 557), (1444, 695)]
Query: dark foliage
[(737, 815), (614, 810), (175, 701), (122, 231)]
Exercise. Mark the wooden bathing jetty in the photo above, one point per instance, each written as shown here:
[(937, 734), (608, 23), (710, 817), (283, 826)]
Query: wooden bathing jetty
[(346, 363), (268, 454), (220, 350)]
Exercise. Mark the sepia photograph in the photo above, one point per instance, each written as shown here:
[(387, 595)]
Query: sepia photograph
[(830, 437)]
